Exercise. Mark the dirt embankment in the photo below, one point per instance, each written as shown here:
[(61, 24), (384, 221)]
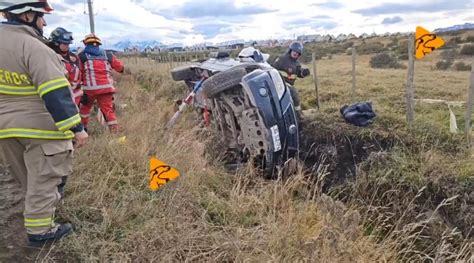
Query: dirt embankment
[(13, 244), (379, 172)]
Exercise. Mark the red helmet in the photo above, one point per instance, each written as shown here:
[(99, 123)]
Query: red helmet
[(22, 6)]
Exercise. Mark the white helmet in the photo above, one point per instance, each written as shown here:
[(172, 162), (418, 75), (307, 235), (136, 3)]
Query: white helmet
[(22, 6), (253, 53)]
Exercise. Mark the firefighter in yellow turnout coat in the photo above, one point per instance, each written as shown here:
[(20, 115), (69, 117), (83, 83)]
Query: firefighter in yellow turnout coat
[(38, 117)]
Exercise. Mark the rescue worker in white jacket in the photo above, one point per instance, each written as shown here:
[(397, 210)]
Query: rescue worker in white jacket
[(38, 117)]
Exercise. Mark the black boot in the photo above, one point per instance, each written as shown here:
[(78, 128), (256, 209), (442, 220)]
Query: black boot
[(58, 232)]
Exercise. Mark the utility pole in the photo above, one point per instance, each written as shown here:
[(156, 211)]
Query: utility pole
[(91, 16)]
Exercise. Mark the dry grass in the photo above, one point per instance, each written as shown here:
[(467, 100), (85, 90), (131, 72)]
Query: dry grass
[(210, 215), (207, 214)]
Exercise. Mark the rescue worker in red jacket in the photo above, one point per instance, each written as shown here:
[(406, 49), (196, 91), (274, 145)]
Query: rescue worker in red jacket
[(97, 81), (38, 117), (60, 39)]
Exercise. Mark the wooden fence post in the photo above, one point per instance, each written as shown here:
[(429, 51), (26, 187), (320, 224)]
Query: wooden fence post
[(353, 74), (169, 60), (409, 86), (315, 80), (470, 98)]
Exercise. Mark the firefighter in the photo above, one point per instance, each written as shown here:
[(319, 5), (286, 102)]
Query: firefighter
[(38, 117), (290, 68), (59, 41), (98, 85)]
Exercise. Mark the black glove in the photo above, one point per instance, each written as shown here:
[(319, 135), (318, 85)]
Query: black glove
[(84, 99), (305, 72)]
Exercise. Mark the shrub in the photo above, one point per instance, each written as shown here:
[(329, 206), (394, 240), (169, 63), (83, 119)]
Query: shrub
[(443, 64), (455, 40), (460, 66), (403, 57), (384, 60), (470, 39), (370, 48), (401, 48), (347, 45), (467, 49), (336, 49), (448, 54)]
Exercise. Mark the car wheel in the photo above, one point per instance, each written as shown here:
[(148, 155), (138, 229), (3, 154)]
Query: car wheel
[(223, 81)]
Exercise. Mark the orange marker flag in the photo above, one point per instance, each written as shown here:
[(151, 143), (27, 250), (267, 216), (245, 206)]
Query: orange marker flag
[(161, 174), (426, 42)]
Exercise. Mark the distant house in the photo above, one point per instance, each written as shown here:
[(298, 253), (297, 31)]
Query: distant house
[(341, 37), (202, 47), (148, 49), (132, 50), (364, 36), (310, 38), (233, 44), (173, 48), (284, 42), (351, 36)]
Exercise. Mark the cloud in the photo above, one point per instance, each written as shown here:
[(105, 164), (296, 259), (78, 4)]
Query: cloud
[(212, 29), (395, 8), (300, 21), (320, 24), (72, 2), (217, 9), (392, 20), (469, 19), (325, 25), (330, 5), (321, 17), (61, 7)]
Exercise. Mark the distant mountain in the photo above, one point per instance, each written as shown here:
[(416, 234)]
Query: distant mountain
[(139, 44), (455, 28)]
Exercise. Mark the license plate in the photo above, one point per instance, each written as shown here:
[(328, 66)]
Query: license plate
[(276, 138)]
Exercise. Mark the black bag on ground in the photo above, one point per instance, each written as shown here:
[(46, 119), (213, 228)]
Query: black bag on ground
[(358, 114)]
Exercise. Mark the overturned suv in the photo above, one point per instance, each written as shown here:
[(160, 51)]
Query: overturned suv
[(251, 107)]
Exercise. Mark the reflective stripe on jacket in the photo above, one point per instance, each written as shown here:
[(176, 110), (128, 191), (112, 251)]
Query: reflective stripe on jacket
[(97, 71), (35, 99)]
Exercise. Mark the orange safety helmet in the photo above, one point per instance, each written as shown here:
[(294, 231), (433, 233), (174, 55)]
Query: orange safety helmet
[(92, 39)]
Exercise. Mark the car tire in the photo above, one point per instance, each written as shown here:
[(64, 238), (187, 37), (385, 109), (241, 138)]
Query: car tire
[(183, 73), (223, 81)]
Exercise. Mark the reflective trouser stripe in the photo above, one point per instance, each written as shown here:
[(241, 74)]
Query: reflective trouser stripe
[(35, 134), (42, 222), (96, 87), (13, 90), (68, 123), (52, 85)]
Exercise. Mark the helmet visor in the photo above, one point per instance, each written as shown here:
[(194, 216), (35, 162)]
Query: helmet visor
[(67, 36)]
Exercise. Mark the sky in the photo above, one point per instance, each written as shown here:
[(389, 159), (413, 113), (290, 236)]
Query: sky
[(197, 21)]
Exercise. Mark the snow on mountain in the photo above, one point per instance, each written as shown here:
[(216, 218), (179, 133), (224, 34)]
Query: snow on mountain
[(121, 45), (455, 28)]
